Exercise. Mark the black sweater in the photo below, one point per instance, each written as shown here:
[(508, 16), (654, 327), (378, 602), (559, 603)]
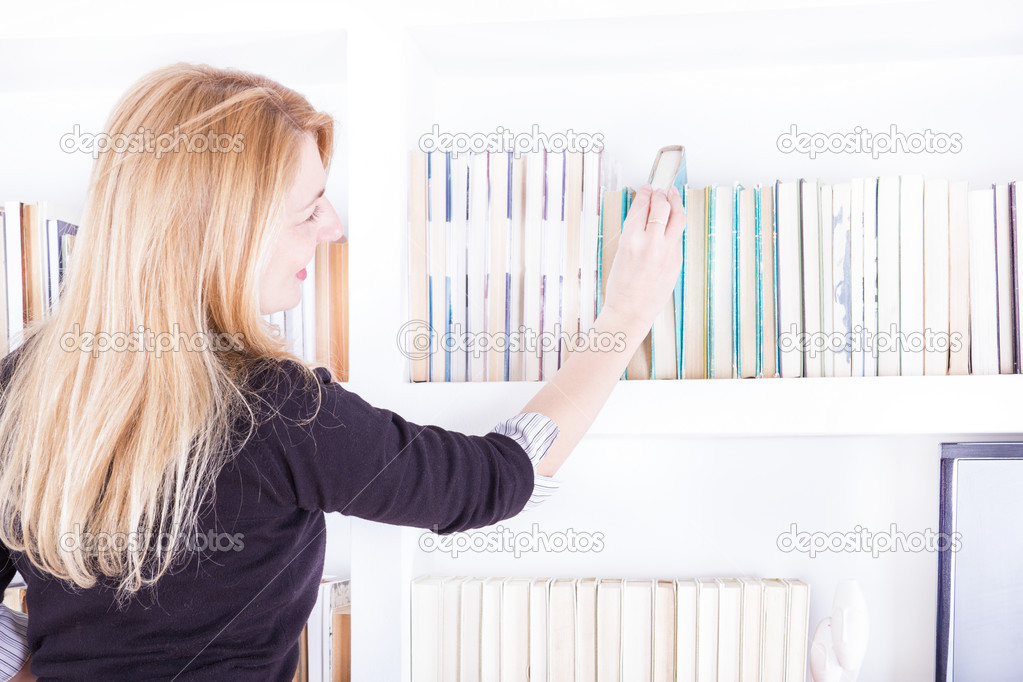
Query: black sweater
[(237, 612)]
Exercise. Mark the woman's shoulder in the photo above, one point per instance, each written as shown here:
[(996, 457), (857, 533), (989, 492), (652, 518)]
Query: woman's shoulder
[(285, 387)]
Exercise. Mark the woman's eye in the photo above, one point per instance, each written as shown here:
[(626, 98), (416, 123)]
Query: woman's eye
[(314, 216)]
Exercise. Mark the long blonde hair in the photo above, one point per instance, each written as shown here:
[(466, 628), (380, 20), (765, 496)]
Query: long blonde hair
[(129, 443)]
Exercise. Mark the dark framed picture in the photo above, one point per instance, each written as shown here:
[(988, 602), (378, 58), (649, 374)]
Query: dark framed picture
[(980, 562)]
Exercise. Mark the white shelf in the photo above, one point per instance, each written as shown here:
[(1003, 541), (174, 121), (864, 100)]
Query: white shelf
[(854, 406)]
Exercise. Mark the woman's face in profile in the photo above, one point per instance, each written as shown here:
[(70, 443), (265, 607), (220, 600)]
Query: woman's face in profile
[(309, 218)]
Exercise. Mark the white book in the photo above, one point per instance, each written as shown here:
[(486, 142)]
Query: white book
[(586, 630), (774, 625), (458, 244), (888, 280), (729, 629), (318, 647), (561, 630), (812, 277), (706, 630), (490, 629), (959, 277), (637, 630), (471, 609), (768, 285), (590, 231), (798, 630), (517, 356), (843, 280), (825, 195), (664, 631), (790, 279), (1017, 216), (451, 611), (15, 293), (439, 278), (1003, 253), (665, 328), (499, 255), (983, 283), (857, 275), (722, 270), (539, 603), (936, 273), (870, 277), (52, 263), (427, 614), (478, 248), (609, 630), (553, 263), (911, 274), (533, 261), (685, 629), (515, 630), (752, 598)]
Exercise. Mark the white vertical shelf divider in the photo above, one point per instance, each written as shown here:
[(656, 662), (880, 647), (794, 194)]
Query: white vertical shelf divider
[(381, 567)]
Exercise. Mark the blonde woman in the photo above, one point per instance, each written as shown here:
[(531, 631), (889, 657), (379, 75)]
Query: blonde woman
[(166, 507)]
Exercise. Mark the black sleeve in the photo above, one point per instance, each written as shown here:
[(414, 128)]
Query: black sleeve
[(371, 463)]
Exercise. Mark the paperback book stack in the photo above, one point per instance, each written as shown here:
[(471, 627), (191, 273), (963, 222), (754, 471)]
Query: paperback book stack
[(603, 630)]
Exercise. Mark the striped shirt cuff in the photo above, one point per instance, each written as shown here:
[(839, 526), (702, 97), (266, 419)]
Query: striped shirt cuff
[(14, 649), (535, 433)]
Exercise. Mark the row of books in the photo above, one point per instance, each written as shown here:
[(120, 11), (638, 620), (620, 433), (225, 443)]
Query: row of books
[(36, 246), (509, 257), (326, 643), (603, 630), (34, 252)]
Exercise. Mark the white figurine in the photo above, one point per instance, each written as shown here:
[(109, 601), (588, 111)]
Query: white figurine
[(840, 641)]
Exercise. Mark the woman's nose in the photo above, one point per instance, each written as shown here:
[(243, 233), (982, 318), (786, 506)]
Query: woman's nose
[(332, 229)]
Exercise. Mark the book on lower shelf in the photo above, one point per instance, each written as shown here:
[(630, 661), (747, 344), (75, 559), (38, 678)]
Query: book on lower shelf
[(603, 629), (326, 641), (895, 275)]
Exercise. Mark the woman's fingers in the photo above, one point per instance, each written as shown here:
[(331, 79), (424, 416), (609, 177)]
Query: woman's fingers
[(677, 221), (660, 210), (638, 211)]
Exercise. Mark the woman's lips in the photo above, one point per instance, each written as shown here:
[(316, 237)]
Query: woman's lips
[(301, 274)]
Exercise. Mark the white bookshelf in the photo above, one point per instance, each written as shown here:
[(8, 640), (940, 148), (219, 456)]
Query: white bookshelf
[(681, 478)]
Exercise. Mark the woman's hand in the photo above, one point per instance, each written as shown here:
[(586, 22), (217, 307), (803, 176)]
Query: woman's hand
[(649, 257), (24, 675)]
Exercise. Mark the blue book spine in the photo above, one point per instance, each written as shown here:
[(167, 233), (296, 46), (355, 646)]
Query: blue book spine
[(447, 277), (736, 322), (760, 280), (507, 277), (777, 318), (626, 203), (711, 294), (680, 301)]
